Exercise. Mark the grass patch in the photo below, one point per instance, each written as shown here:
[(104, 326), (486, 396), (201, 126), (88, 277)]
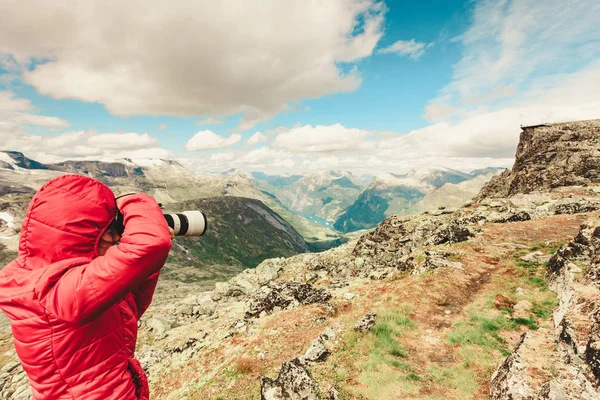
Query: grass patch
[(528, 322), (414, 377), (527, 264), (385, 371), (245, 365), (460, 379), (482, 331), (544, 308), (537, 282), (538, 246)]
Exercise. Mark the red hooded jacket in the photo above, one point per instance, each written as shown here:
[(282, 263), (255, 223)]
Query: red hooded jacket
[(73, 313)]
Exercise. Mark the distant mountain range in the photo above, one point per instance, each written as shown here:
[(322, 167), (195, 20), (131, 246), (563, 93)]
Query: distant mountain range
[(166, 180), (321, 206), (405, 194), (324, 195)]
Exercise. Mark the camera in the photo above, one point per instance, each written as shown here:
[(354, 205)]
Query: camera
[(187, 223)]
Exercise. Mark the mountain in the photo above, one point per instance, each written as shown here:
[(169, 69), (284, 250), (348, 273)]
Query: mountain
[(166, 180), (394, 194), (241, 233), (323, 194), (271, 183), (454, 195)]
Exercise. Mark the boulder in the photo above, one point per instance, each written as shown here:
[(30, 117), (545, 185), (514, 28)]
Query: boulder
[(366, 323), (294, 382)]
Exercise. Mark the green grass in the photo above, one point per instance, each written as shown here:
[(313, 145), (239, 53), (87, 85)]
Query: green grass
[(538, 282), (482, 331), (385, 369), (527, 264), (538, 246), (528, 322), (386, 331), (544, 309)]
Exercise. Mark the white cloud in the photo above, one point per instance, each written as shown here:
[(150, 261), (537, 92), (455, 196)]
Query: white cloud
[(515, 50), (223, 157), (407, 48), (17, 114), (9, 104), (261, 56), (321, 139), (124, 141), (209, 121), (256, 138), (208, 140), (39, 120)]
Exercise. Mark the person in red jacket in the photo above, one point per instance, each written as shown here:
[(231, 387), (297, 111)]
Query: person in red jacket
[(73, 297)]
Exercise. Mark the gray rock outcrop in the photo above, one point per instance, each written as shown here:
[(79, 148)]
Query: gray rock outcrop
[(550, 156)]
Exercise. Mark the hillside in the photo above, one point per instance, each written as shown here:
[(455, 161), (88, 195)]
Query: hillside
[(241, 234), (324, 194), (454, 195), (394, 194)]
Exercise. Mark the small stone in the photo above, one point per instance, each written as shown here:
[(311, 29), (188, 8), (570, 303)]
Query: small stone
[(277, 309), (532, 257), (348, 296), (9, 367), (262, 314), (359, 262), (503, 302), (520, 291), (448, 312), (522, 309), (366, 323), (333, 394), (317, 351)]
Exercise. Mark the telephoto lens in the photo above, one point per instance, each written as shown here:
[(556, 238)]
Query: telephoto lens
[(187, 223)]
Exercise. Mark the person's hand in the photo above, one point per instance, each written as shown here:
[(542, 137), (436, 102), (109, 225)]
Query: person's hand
[(171, 233)]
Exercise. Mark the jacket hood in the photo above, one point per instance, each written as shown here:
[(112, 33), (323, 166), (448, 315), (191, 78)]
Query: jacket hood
[(65, 219)]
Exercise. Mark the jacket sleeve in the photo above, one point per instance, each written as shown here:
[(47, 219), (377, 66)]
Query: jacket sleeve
[(84, 292), (143, 294)]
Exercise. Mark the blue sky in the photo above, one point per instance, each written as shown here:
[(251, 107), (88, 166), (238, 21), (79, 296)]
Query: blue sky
[(362, 85)]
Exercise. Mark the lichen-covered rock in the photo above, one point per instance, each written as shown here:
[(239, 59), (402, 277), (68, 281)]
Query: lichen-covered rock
[(508, 381), (282, 294), (294, 382), (366, 323), (575, 387), (592, 350), (391, 245), (550, 156), (159, 327), (438, 259), (333, 393), (319, 349)]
